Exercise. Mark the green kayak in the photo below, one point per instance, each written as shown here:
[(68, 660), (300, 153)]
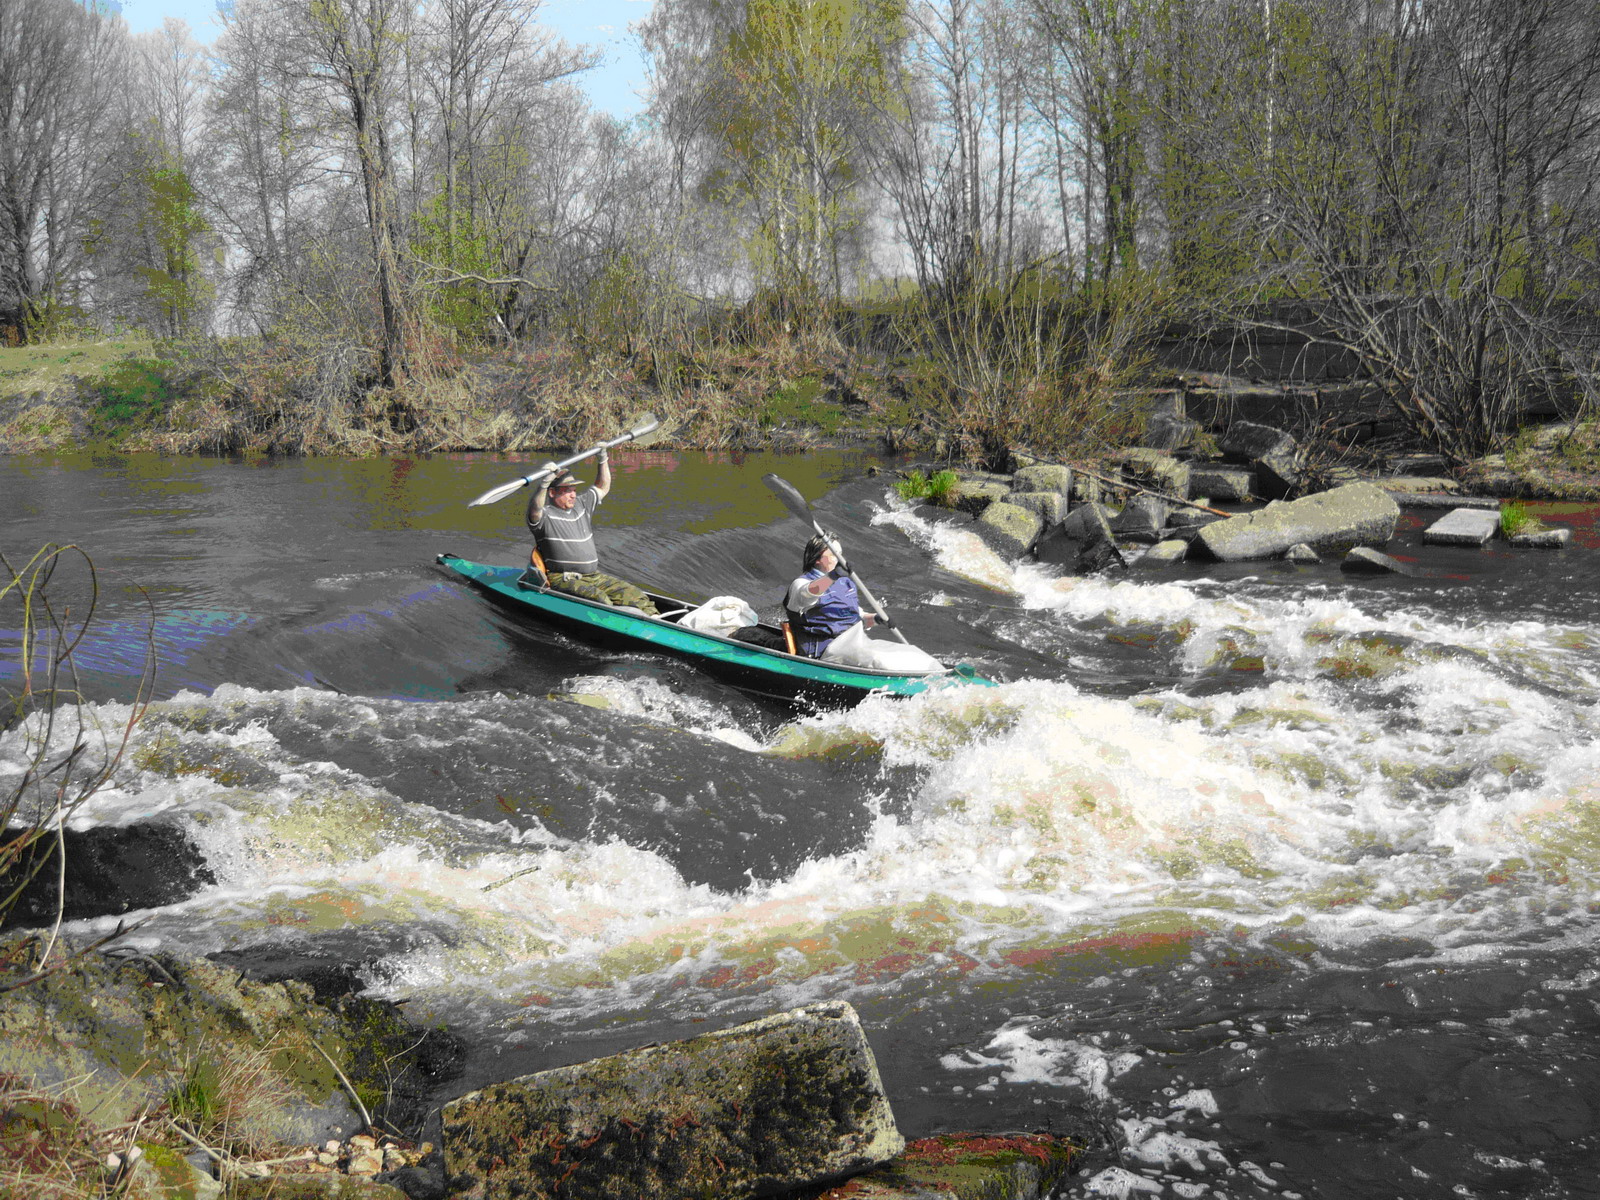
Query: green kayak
[(754, 667)]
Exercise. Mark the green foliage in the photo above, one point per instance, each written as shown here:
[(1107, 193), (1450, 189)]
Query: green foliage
[(131, 395), (449, 240), (174, 224), (1514, 516), (939, 487), (195, 1100)]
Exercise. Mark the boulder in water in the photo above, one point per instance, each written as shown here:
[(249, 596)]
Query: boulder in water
[(1008, 529), (1358, 514), (786, 1102)]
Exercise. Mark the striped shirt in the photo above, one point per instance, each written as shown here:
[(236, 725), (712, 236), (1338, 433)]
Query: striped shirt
[(566, 536)]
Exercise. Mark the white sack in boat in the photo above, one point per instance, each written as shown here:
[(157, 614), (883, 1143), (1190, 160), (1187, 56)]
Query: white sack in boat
[(720, 614), (854, 648)]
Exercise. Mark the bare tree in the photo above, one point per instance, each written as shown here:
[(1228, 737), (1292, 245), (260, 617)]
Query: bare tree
[(60, 66)]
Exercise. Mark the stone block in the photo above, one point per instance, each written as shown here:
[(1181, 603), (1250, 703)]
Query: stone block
[(1051, 506), (1364, 560), (1163, 432), (975, 495), (1044, 477), (1153, 469), (1008, 529), (1142, 519), (1463, 527), (1164, 554), (1221, 482), (1438, 499), (1302, 554), (965, 1166), (777, 1104), (1246, 442), (1272, 453), (1541, 538), (1358, 514)]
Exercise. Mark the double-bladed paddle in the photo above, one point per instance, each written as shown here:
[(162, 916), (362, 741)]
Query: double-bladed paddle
[(647, 425), (796, 504)]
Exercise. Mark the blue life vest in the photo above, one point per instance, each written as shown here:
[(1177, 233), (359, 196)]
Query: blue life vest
[(836, 610)]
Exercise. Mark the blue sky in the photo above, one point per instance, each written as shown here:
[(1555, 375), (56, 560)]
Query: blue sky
[(613, 86)]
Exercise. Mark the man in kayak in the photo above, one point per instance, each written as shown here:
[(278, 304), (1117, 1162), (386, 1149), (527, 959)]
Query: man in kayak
[(823, 601), (560, 521)]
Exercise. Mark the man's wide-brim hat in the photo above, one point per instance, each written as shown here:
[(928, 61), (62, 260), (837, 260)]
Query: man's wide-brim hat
[(563, 479)]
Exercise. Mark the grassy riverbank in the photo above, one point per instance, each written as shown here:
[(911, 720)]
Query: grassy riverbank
[(784, 392), (251, 395)]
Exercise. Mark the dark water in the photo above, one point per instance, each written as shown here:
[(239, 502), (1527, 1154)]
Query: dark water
[(1271, 882)]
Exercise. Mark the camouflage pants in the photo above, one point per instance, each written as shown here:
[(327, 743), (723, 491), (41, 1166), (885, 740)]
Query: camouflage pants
[(603, 589)]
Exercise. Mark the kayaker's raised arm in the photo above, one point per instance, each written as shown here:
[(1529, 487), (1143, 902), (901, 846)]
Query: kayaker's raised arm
[(540, 491)]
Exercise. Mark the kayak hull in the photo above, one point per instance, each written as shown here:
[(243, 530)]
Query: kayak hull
[(751, 667)]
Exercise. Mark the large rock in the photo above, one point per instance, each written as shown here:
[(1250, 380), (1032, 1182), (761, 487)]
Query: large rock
[(1083, 543), (1164, 554), (1221, 482), (1463, 527), (1165, 432), (1044, 477), (1271, 452), (1008, 529), (964, 1166), (109, 871), (123, 1032), (1541, 537), (1358, 514), (975, 495), (777, 1104), (1051, 506), (1438, 499), (1153, 469), (1142, 519)]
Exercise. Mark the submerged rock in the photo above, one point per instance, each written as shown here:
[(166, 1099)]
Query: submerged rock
[(785, 1102), (1358, 514), (109, 870), (1364, 560)]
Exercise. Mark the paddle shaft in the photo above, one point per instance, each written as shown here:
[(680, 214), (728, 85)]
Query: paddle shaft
[(506, 489), (796, 504)]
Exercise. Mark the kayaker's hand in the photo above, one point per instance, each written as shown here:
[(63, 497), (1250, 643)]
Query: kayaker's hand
[(545, 474)]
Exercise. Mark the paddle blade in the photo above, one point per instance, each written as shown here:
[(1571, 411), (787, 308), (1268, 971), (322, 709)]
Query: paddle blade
[(791, 498), (646, 425), (498, 493)]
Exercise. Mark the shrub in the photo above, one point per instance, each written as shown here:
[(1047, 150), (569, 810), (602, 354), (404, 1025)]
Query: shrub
[(1514, 517)]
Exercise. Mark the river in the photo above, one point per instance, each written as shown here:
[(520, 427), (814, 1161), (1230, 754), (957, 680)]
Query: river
[(1268, 880)]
